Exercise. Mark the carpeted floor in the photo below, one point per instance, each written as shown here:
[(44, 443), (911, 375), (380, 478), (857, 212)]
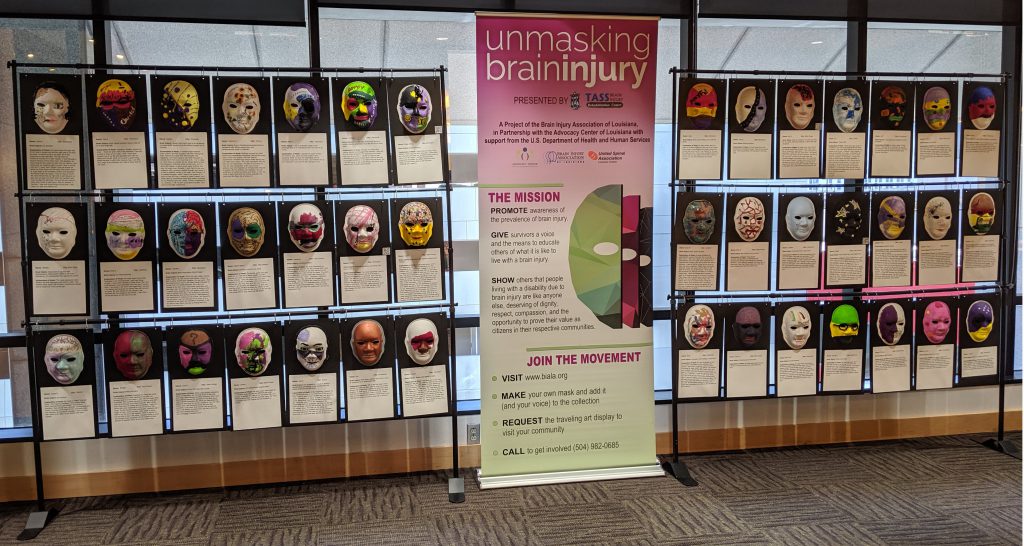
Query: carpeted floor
[(947, 490)]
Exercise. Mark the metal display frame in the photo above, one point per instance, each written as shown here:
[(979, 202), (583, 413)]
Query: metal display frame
[(44, 513)]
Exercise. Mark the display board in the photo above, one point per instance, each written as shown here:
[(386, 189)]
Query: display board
[(118, 131), (51, 131), (564, 168)]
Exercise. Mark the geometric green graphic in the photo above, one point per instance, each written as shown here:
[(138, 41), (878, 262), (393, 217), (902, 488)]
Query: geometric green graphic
[(595, 253)]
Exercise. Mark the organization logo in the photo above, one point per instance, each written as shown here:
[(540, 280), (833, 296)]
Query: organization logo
[(603, 100), (525, 155), (564, 158), (574, 100), (592, 155), (551, 157)]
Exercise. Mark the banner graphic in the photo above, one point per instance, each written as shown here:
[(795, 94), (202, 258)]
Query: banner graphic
[(566, 154)]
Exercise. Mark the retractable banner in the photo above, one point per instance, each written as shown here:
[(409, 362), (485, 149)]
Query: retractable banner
[(566, 155)]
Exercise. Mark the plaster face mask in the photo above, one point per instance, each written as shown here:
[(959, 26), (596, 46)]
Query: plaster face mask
[(891, 323), (421, 341), (301, 106), (180, 105), (115, 100), (748, 218), (796, 327), (699, 326), (253, 351), (848, 220), (702, 105), (311, 348), (133, 354), (414, 108), (367, 342), (64, 358), (747, 327), (359, 105), (699, 221), (126, 233), (936, 321), (800, 106), (938, 217), (979, 320), (241, 108), (894, 101), (892, 216), (56, 232), (847, 109), (981, 107), (415, 224), (195, 351), (51, 108), (936, 107), (981, 213), (186, 233), (800, 217), (362, 228), (246, 231), (306, 227), (751, 108), (844, 324)]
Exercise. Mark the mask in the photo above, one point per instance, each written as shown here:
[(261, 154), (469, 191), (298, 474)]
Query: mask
[(699, 221), (747, 327), (894, 100), (981, 107), (246, 231), (133, 354), (595, 254), (891, 323), (65, 358), (699, 326), (938, 217), (367, 342), (800, 218), (892, 216), (362, 228), (751, 107), (415, 224), (848, 220), (253, 351), (796, 327), (51, 107), (306, 226), (126, 233), (979, 320), (845, 323), (936, 321), (359, 104), (702, 105), (421, 341), (981, 213), (414, 108), (748, 218), (180, 105), (301, 106), (56, 232), (847, 109), (241, 108), (116, 102), (311, 348), (800, 106), (936, 106), (195, 351), (186, 233)]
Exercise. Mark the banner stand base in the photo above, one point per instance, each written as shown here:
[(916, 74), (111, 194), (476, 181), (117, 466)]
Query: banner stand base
[(456, 490), (570, 476), (680, 472), (37, 521), (1003, 446)]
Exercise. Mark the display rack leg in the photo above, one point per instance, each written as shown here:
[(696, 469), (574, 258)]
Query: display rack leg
[(680, 472), (38, 520), (1000, 443), (457, 490)]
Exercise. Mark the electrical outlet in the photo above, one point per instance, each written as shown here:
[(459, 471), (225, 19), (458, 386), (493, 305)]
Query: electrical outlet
[(473, 431)]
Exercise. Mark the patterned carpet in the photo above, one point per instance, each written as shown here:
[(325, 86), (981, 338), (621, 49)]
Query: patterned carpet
[(946, 490)]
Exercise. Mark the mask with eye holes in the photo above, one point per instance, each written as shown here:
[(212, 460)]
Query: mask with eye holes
[(246, 231)]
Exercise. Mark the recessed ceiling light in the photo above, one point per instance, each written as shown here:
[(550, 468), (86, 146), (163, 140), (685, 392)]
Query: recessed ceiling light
[(91, 40), (442, 38), (120, 57), (816, 42), (53, 70), (31, 55)]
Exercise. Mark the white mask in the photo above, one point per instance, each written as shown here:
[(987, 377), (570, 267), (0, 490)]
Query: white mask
[(311, 348), (938, 217), (800, 218), (56, 232), (241, 108), (421, 341), (847, 109), (796, 327), (748, 218)]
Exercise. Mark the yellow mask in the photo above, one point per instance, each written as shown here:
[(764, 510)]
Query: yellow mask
[(415, 224)]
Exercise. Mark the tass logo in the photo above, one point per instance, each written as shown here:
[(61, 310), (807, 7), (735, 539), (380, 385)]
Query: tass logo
[(597, 97)]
